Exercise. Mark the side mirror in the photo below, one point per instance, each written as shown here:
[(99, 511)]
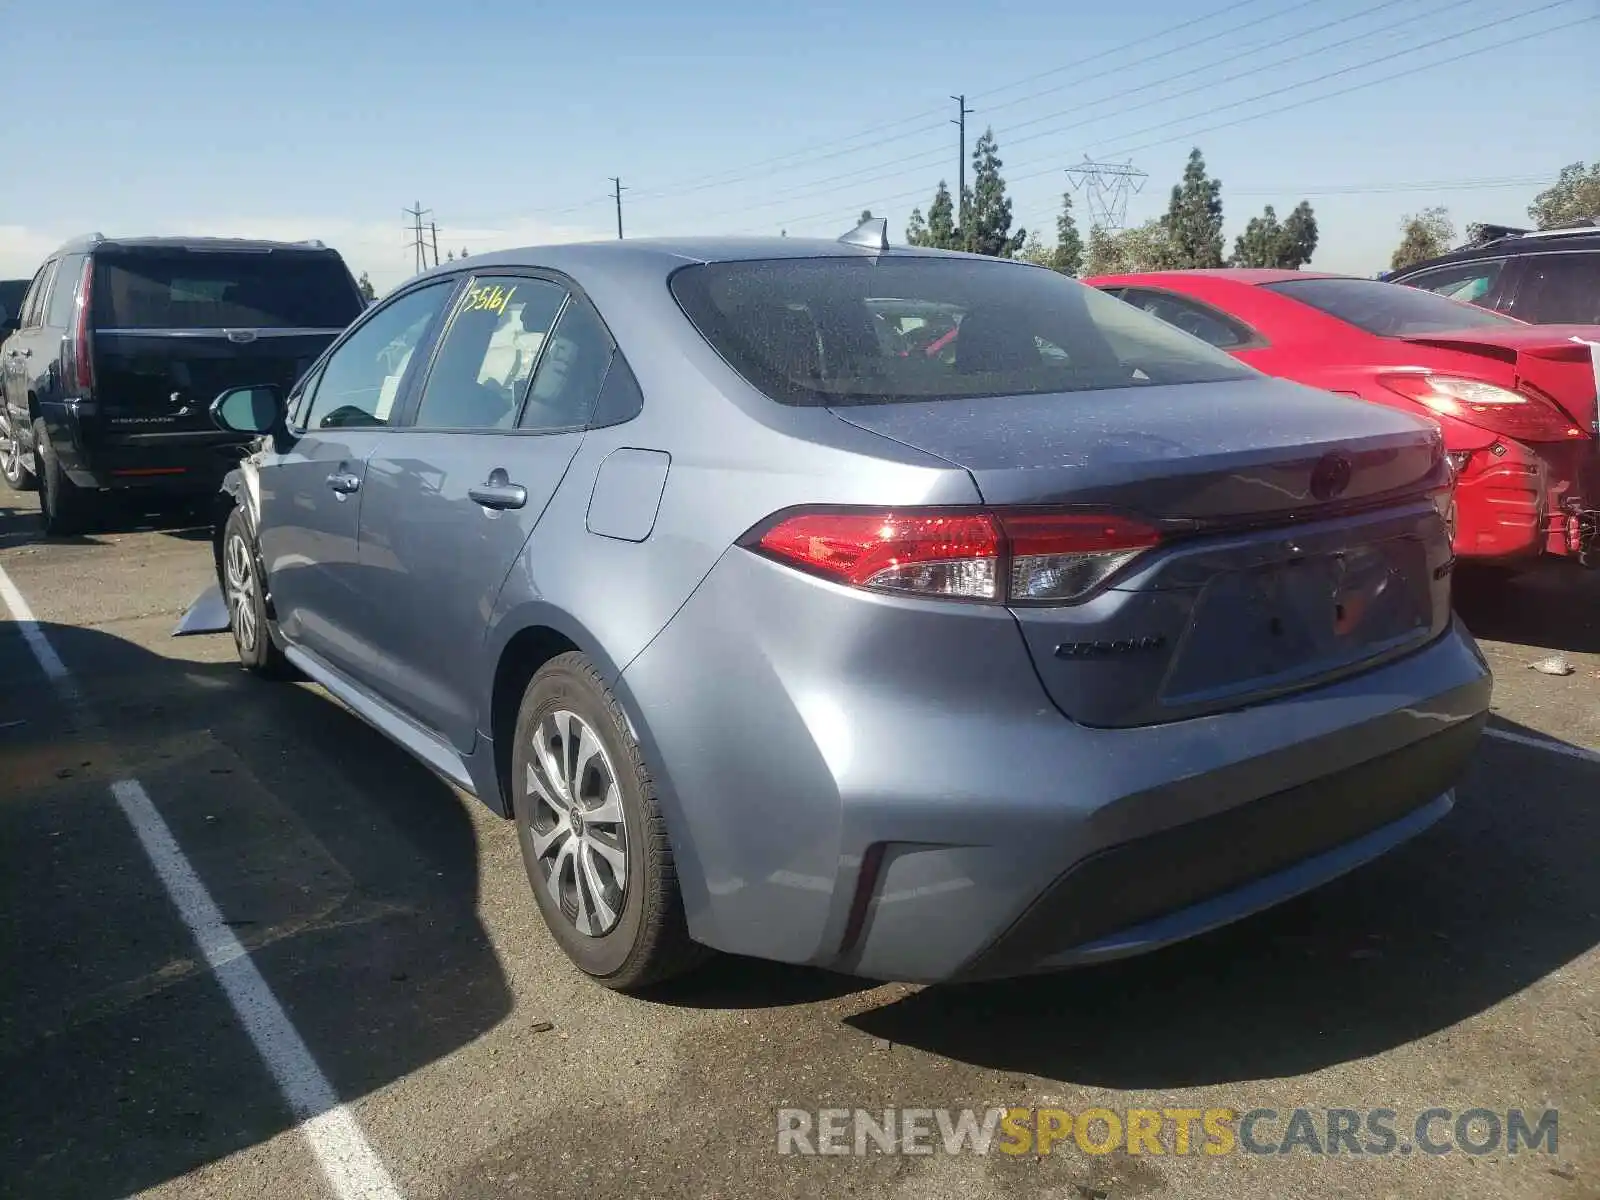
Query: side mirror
[(258, 409)]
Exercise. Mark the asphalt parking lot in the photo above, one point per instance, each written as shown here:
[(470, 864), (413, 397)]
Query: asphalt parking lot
[(390, 918)]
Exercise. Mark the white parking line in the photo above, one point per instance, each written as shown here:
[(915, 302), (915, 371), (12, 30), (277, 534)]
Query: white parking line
[(350, 1164), (1581, 753)]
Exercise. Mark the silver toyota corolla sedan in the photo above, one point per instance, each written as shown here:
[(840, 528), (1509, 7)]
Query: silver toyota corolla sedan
[(911, 614)]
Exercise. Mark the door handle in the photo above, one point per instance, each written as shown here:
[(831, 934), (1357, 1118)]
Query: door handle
[(343, 482), (499, 492)]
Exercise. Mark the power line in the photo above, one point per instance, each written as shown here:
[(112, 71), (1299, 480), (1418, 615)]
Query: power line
[(762, 167), (820, 187), (1414, 70)]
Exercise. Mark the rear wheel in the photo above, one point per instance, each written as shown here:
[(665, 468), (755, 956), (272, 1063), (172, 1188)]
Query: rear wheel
[(593, 839), (64, 508), (16, 468), (247, 601)]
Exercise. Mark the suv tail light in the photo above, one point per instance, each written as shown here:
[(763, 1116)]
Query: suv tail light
[(1486, 405), (82, 364), (991, 555)]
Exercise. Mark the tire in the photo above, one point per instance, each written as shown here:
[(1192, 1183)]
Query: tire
[(16, 469), (65, 509), (630, 933), (239, 575)]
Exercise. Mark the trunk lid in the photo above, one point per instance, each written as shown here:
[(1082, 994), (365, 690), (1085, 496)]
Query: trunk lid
[(1304, 541), (1560, 361), (162, 381)]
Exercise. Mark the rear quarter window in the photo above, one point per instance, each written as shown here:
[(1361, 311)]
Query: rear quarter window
[(851, 330), (223, 290)]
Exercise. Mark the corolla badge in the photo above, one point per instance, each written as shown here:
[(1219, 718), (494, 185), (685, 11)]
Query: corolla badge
[(1331, 476)]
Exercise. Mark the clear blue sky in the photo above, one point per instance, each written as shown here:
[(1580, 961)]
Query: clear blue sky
[(326, 118)]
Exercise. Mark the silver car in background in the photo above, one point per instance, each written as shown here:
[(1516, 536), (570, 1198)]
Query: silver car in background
[(911, 614)]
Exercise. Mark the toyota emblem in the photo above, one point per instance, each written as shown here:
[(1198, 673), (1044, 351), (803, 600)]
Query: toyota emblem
[(1331, 476)]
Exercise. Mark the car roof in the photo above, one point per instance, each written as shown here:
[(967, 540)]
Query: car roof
[(99, 241), (667, 254), (1513, 244)]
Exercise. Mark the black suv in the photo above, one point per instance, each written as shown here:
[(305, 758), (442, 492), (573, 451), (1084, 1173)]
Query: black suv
[(120, 345), (1549, 277)]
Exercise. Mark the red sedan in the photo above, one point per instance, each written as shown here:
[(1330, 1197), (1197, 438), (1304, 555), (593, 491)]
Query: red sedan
[(1516, 402)]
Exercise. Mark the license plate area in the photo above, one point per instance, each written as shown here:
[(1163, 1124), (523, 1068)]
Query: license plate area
[(1287, 622)]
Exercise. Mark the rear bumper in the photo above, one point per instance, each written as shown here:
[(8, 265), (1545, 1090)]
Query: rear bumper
[(1148, 892), (858, 784), (1528, 501), (94, 457)]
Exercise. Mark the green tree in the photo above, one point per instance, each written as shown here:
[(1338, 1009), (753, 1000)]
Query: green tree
[(463, 252), (942, 219), (1118, 252), (1193, 223), (988, 228), (364, 285), (866, 215), (1068, 257), (1423, 235), (1036, 252), (1267, 242), (916, 229), (1300, 237), (1575, 196)]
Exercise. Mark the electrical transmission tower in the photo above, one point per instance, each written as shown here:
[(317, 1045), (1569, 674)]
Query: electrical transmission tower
[(1106, 187), (419, 242)]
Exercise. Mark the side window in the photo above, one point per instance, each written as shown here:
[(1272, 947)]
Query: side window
[(1560, 289), (65, 292), (571, 371), (1470, 282), (1200, 320), (361, 380), (33, 307), (488, 353), (301, 396), (620, 398)]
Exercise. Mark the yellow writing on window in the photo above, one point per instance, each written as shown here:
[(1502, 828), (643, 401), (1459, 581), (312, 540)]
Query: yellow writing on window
[(487, 298)]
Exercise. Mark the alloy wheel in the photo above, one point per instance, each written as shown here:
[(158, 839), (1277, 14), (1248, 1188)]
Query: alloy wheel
[(239, 573), (11, 465), (580, 836)]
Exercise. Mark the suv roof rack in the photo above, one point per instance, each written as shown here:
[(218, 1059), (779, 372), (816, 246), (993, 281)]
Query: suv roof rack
[(1500, 233)]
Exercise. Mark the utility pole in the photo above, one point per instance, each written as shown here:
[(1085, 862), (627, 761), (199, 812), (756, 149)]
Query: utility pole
[(963, 112), (417, 244), (616, 181), (434, 226)]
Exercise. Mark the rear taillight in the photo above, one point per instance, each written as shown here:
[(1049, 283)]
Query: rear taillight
[(994, 555), (82, 364), (1486, 405)]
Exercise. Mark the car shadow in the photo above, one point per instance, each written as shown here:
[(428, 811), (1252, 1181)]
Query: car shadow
[(349, 871), (1555, 607), (1403, 948), (186, 520)]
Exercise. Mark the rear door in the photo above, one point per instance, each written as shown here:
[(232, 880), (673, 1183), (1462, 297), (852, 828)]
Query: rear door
[(21, 349), (311, 483), (452, 498), (172, 326), (1559, 289)]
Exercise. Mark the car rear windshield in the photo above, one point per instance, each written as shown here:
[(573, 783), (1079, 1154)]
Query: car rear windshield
[(1388, 309), (847, 330), (223, 290)]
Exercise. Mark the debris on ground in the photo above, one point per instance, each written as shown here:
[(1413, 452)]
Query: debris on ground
[(1556, 664)]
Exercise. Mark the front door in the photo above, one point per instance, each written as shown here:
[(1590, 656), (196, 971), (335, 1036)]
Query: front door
[(311, 484), (24, 365), (452, 498)]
